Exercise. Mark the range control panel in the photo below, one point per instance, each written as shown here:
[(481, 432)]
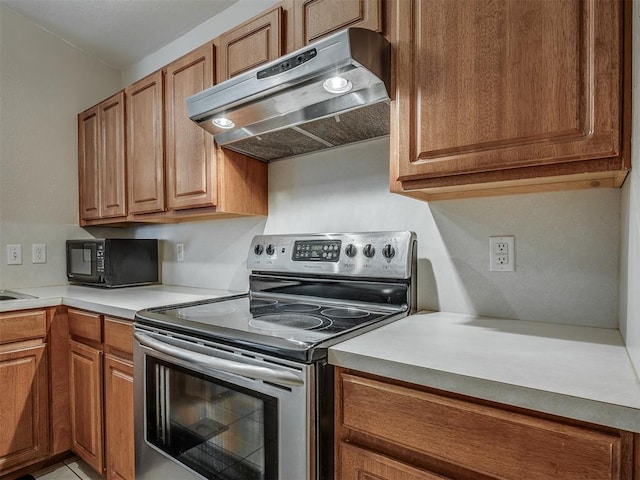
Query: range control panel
[(365, 254)]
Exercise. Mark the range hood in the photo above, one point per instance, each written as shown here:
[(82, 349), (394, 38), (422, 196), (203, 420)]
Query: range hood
[(330, 93)]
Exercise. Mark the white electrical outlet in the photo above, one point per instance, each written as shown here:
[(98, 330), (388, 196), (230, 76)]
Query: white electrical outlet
[(179, 252), (38, 253), (14, 254), (502, 254)]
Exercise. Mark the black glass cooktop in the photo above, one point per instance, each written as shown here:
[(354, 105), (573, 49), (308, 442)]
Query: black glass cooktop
[(284, 326)]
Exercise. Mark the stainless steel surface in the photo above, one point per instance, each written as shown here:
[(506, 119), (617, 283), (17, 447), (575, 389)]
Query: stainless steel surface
[(288, 112), (277, 251), (296, 419), (9, 295), (246, 368)]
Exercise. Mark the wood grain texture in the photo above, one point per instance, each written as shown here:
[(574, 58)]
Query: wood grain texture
[(88, 164), (453, 436), (359, 464), (22, 325), (315, 19), (85, 392), (58, 340), (250, 44), (118, 397), (24, 407), (118, 335), (191, 165), (112, 171), (85, 325), (145, 144), (478, 91), (243, 183)]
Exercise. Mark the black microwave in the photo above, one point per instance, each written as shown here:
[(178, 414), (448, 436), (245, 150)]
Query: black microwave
[(112, 262)]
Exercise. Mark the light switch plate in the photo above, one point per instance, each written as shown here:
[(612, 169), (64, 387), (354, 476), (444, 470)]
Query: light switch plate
[(14, 254)]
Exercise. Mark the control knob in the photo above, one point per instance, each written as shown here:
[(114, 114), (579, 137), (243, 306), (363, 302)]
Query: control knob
[(369, 250), (271, 249), (350, 250), (258, 249), (388, 251)]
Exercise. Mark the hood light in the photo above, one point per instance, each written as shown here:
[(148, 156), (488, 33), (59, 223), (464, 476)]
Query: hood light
[(337, 85), (223, 122)]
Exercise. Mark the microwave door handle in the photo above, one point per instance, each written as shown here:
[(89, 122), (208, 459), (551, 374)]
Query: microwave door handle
[(243, 369)]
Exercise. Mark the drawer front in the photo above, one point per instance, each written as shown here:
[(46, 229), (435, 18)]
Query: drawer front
[(16, 326), (484, 439), (85, 325), (118, 334)]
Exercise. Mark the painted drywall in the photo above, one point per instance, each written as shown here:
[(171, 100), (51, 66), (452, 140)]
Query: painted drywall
[(630, 245), (237, 13), (44, 83), (559, 276)]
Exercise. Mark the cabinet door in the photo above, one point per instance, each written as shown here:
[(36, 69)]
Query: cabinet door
[(85, 392), (356, 463), (508, 84), (191, 164), (249, 45), (118, 398), (24, 407), (112, 158), (315, 19), (88, 164), (145, 144)]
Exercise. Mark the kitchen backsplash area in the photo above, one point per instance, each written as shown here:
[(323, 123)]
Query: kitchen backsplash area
[(558, 277)]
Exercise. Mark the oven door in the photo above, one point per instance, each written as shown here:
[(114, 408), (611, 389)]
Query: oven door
[(209, 411)]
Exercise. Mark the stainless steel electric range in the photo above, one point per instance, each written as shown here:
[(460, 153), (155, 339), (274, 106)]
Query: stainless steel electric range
[(239, 387)]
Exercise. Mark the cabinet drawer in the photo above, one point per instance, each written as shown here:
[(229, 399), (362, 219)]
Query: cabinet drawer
[(118, 334), (16, 326), (484, 439), (85, 325)]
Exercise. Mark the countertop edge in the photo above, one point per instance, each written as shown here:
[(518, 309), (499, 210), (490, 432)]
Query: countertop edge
[(564, 405)]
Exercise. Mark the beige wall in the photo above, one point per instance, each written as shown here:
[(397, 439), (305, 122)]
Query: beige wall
[(630, 248), (44, 83)]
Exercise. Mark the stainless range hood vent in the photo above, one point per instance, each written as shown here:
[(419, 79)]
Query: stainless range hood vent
[(284, 108)]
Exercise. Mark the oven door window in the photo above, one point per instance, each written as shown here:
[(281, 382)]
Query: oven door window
[(220, 430)]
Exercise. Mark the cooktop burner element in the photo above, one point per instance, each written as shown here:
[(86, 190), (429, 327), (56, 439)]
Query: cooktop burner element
[(301, 299), (289, 322)]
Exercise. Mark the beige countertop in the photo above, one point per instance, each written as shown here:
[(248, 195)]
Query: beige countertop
[(577, 372), (117, 302)]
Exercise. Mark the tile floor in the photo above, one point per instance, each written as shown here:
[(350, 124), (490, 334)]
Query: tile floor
[(69, 469)]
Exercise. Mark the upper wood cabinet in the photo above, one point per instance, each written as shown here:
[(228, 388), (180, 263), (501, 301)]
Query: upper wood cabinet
[(314, 19), (101, 160), (145, 144), (508, 96), (190, 160), (250, 44)]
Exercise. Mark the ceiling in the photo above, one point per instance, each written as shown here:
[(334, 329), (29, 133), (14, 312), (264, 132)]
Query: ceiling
[(118, 32)]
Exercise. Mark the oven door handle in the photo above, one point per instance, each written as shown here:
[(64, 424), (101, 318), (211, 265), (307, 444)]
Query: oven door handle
[(271, 374)]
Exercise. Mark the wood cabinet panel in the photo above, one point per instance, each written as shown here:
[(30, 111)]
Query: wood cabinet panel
[(483, 439), (479, 91), (191, 165), (112, 165), (250, 44), (357, 463), (24, 325), (88, 164), (315, 19), (24, 409), (118, 396), (85, 391), (145, 144), (118, 334), (86, 325)]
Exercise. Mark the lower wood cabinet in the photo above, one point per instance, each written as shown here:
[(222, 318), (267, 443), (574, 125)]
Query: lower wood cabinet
[(101, 392), (387, 429), (24, 379)]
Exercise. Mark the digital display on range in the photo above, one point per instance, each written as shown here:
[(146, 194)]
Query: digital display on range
[(316, 251)]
